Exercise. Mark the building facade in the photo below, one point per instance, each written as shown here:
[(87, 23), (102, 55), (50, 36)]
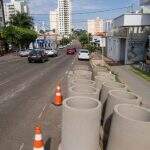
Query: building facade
[(53, 17), (64, 17), (15, 6), (129, 36), (95, 26), (2, 18), (145, 6)]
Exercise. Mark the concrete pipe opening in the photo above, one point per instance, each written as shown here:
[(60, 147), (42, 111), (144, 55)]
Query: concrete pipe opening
[(83, 90), (80, 124), (116, 97), (112, 85), (83, 73), (81, 67), (83, 81), (99, 80), (130, 128)]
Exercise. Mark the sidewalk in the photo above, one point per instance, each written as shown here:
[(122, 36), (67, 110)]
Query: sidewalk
[(134, 82)]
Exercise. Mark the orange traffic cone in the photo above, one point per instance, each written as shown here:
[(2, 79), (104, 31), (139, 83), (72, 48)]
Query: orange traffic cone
[(58, 99), (58, 87), (38, 143)]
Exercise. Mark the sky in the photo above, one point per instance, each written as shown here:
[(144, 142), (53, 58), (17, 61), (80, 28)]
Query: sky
[(79, 6)]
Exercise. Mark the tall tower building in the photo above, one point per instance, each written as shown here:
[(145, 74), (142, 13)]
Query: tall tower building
[(64, 17), (53, 17), (95, 26), (145, 6), (15, 6)]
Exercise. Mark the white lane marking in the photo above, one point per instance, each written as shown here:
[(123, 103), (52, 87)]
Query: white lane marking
[(4, 82), (43, 109), (21, 146)]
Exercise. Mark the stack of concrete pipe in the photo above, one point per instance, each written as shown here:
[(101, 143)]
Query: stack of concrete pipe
[(80, 124), (81, 112), (81, 67), (83, 90), (97, 69), (104, 77), (130, 128), (108, 86), (116, 97)]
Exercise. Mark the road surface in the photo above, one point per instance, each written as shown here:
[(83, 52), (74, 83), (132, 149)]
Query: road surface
[(26, 95)]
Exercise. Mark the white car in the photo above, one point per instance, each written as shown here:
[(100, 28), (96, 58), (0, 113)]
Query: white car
[(24, 53), (51, 52), (83, 54)]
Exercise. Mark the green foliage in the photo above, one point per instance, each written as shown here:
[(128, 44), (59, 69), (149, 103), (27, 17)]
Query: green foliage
[(19, 36), (21, 20), (91, 48), (84, 39), (65, 41)]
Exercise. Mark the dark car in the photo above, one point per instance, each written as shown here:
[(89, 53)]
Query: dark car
[(70, 51), (37, 55)]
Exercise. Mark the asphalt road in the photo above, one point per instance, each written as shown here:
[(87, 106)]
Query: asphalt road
[(26, 95)]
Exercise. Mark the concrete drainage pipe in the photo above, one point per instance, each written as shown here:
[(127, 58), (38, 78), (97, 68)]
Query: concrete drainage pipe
[(130, 128), (82, 81), (83, 90), (83, 74), (99, 80), (119, 97), (97, 69), (107, 86), (116, 97), (80, 124), (81, 67)]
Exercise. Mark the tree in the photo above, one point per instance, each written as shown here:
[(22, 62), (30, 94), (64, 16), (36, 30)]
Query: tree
[(21, 20), (19, 37), (83, 38)]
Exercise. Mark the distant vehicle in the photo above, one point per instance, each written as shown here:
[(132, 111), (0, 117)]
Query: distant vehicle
[(37, 55), (24, 52), (83, 54), (51, 52), (70, 51), (61, 47)]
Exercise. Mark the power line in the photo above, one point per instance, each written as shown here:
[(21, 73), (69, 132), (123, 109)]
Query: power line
[(91, 12)]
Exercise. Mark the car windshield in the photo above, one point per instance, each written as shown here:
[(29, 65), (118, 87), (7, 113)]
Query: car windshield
[(34, 52), (84, 52)]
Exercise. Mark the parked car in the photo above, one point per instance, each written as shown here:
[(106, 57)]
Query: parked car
[(70, 51), (51, 52), (37, 55), (83, 54), (24, 52), (61, 47)]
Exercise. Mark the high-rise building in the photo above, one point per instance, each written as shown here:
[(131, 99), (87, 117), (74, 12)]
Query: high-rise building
[(2, 19), (15, 6), (53, 17), (95, 26), (107, 25), (145, 6), (64, 17)]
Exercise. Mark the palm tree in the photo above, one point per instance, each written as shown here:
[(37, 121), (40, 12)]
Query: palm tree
[(21, 20)]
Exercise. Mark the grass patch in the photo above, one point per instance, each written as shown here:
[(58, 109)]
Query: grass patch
[(143, 74)]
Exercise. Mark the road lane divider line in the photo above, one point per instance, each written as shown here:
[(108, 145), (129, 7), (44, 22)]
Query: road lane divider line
[(21, 146), (43, 109)]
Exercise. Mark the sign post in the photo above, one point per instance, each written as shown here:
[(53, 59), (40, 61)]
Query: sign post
[(103, 44)]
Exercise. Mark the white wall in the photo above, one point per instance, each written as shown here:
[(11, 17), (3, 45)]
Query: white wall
[(113, 48)]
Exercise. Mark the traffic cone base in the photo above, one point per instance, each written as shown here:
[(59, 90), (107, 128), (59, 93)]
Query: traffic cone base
[(58, 99)]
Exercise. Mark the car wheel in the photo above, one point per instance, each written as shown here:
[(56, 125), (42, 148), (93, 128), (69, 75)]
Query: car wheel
[(42, 60), (29, 61)]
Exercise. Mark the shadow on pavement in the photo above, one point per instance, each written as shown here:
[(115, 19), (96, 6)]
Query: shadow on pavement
[(48, 144)]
